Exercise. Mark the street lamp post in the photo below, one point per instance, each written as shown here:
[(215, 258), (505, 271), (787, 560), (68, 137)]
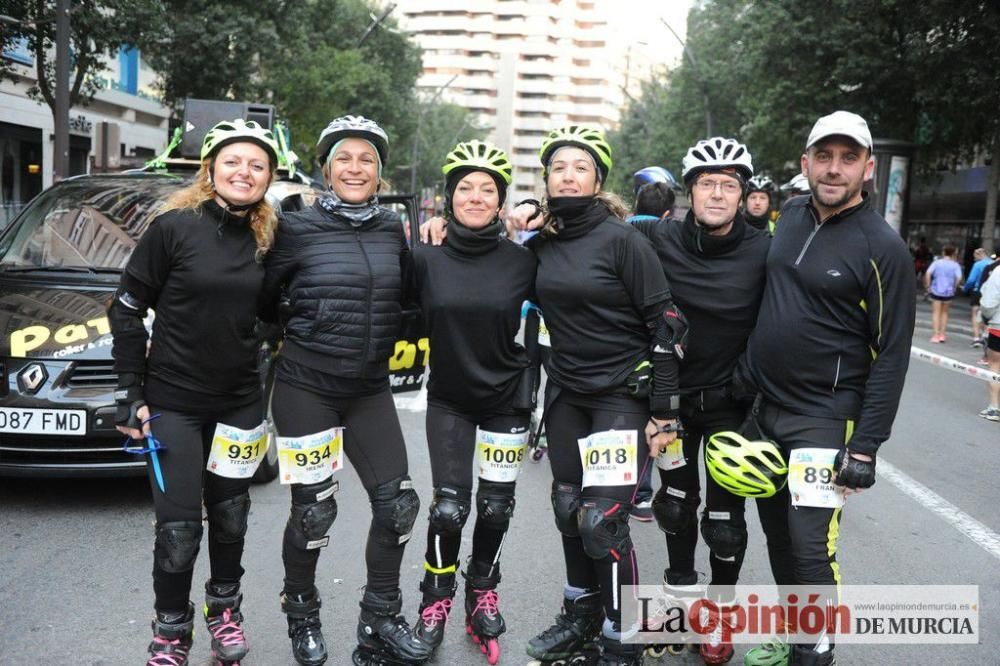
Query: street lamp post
[(416, 133), (697, 74)]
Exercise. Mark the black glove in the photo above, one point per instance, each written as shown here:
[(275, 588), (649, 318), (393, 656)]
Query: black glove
[(853, 473), (129, 400), (640, 380)]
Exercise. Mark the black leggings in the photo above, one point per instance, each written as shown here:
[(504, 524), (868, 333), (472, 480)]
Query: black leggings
[(373, 442), (704, 414), (451, 441), (569, 417), (187, 439)]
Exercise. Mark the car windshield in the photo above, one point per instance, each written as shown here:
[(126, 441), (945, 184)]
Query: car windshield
[(89, 223)]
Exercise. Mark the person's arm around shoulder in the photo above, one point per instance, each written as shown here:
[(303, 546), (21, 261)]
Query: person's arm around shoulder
[(278, 266)]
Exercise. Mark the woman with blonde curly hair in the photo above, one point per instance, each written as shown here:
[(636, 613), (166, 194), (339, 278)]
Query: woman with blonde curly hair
[(195, 395)]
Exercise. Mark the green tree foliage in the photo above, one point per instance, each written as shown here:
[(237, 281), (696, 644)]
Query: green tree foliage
[(97, 29), (926, 72), (441, 126)]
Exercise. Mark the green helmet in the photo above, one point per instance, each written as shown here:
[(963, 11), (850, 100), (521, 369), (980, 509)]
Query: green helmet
[(233, 131), (590, 139), (481, 156), (747, 468)]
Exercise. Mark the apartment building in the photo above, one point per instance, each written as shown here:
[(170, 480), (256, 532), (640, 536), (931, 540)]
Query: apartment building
[(126, 98), (527, 66)]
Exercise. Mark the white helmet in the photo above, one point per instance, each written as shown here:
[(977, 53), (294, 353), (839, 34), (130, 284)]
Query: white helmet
[(717, 154), (797, 185), (359, 127)]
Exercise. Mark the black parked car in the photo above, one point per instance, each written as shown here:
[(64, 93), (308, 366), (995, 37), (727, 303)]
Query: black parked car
[(60, 262)]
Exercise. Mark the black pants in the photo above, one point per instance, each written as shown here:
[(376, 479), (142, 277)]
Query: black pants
[(568, 418), (373, 442), (451, 441), (704, 414), (187, 439), (810, 533)]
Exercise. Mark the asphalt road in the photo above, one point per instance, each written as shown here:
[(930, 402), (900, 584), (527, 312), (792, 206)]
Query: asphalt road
[(75, 556)]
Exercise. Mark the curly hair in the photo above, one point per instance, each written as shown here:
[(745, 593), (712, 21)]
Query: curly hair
[(263, 217)]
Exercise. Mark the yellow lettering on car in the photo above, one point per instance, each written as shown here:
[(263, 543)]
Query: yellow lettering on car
[(71, 333), (32, 337), (25, 339), (405, 354)]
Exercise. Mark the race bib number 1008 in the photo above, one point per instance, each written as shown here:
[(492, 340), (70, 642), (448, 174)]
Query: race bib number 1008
[(500, 455), (609, 458), (311, 458), (236, 453)]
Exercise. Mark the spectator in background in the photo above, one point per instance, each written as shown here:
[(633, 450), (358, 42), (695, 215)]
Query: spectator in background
[(990, 305), (941, 281), (973, 286), (653, 201)]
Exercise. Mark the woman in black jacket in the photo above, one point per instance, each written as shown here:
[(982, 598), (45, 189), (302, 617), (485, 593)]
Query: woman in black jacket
[(611, 399), (198, 392), (340, 264), (481, 389)]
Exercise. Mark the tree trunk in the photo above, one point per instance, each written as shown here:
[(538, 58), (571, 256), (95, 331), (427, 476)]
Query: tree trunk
[(990, 219)]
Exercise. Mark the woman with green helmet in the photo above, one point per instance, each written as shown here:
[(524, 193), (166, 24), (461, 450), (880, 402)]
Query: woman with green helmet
[(611, 399), (480, 392), (196, 384)]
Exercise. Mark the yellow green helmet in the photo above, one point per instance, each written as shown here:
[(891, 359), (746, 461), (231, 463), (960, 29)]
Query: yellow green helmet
[(589, 138), (744, 467), (233, 131), (481, 156)]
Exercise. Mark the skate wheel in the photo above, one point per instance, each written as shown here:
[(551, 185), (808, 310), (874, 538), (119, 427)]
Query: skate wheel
[(492, 651), (677, 648), (656, 651)]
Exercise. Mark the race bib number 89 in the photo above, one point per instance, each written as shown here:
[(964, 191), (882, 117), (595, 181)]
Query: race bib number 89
[(609, 458), (237, 453), (500, 455), (311, 458), (810, 479)]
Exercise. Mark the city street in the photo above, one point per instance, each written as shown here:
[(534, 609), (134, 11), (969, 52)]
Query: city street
[(75, 556)]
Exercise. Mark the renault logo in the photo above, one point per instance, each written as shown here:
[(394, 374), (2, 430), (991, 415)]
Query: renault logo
[(31, 378)]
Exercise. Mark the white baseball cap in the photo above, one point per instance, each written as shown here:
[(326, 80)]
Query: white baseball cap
[(843, 123)]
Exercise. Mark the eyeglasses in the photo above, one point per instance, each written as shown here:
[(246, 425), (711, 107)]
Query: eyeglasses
[(728, 186)]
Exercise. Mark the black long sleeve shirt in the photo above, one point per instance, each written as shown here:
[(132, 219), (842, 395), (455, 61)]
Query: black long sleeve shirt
[(718, 283), (835, 326), (472, 309)]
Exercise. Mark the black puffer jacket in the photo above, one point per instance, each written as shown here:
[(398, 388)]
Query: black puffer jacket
[(344, 281)]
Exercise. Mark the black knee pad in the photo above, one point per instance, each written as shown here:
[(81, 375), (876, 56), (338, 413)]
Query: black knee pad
[(604, 529), (565, 504), (177, 545), (395, 506), (675, 510), (450, 509), (495, 503), (228, 518), (725, 533), (314, 508)]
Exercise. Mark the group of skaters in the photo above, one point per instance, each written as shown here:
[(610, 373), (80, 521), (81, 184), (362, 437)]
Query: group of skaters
[(755, 350)]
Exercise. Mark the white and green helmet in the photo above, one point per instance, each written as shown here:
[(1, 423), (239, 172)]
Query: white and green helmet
[(353, 127), (481, 156), (234, 131)]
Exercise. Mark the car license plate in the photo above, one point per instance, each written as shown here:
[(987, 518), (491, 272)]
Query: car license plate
[(31, 421)]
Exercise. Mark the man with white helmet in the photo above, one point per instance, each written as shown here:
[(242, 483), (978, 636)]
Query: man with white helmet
[(829, 354), (715, 263)]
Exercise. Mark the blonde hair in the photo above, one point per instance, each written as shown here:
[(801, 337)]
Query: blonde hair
[(263, 218), (611, 201)]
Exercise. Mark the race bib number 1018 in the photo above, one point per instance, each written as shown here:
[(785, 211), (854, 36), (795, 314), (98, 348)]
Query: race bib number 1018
[(609, 458)]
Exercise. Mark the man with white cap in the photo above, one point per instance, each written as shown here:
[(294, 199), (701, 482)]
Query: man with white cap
[(828, 385)]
